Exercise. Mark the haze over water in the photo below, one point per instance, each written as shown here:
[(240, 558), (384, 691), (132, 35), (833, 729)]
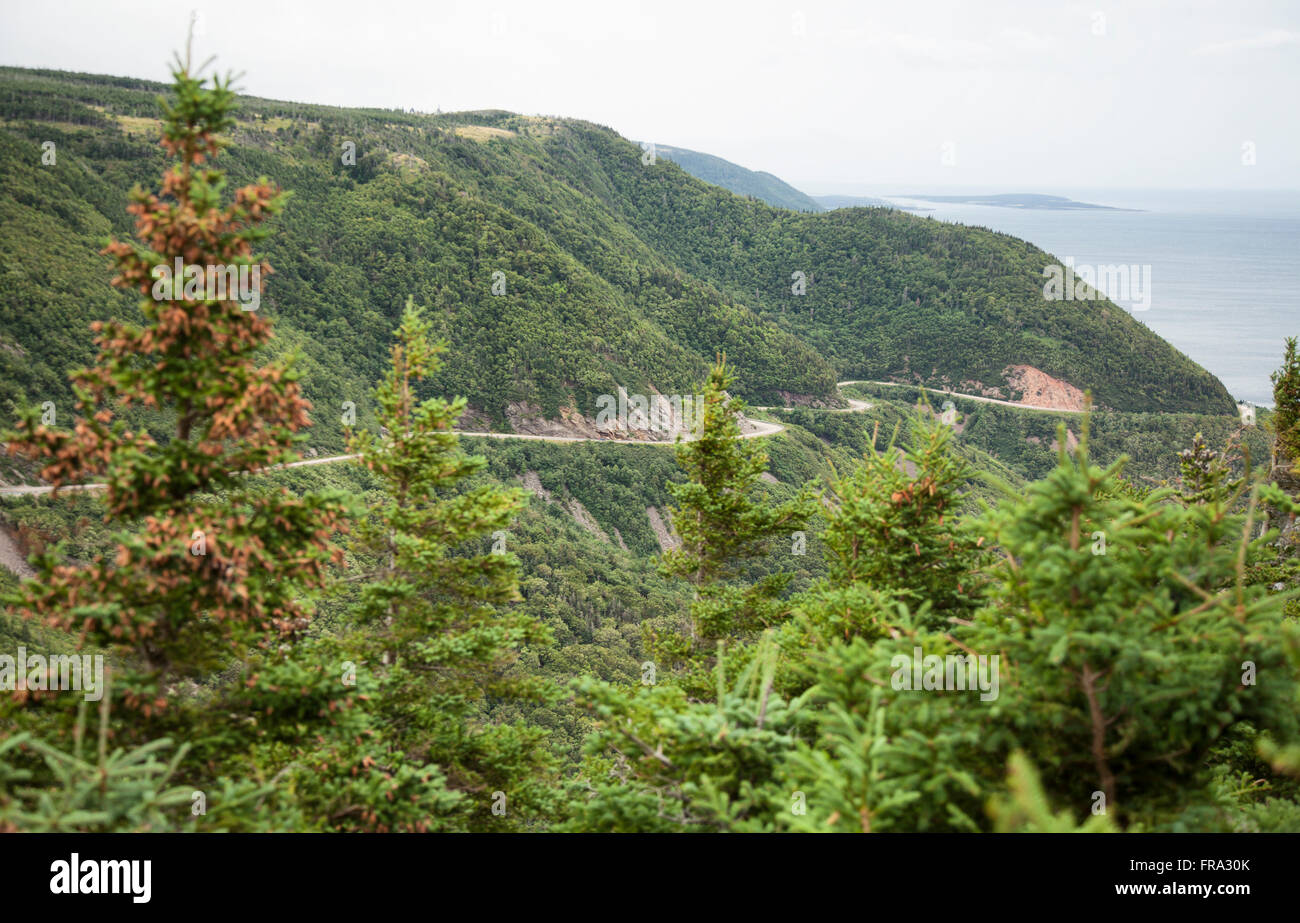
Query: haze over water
[(1225, 266)]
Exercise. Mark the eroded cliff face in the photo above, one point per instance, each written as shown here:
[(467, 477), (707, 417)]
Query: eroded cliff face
[(1042, 390), (528, 419), (572, 506), (654, 426), (13, 556)]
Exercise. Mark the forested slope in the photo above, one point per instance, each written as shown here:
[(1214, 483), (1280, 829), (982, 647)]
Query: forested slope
[(889, 294), (744, 182), (556, 263), (411, 642)]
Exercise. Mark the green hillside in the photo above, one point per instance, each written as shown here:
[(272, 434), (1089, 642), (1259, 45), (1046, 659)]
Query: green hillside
[(756, 184), (874, 617), (608, 272)]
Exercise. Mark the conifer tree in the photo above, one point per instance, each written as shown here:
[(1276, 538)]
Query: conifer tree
[(1131, 636), (1286, 406), (661, 760), (444, 637), (1129, 643), (892, 530), (881, 759), (698, 751), (1026, 808), (722, 520), (218, 565)]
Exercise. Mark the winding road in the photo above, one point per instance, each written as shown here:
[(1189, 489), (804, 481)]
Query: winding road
[(969, 397), (13, 559), (761, 428)]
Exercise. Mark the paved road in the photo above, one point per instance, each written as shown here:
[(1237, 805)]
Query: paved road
[(23, 489), (969, 397), (761, 428), (11, 558)]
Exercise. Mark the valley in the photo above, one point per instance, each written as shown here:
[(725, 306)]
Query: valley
[(371, 544)]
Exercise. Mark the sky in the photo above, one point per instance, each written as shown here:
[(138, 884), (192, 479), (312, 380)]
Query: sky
[(914, 95)]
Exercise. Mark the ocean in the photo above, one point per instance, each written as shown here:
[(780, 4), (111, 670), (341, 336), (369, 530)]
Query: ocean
[(1225, 266)]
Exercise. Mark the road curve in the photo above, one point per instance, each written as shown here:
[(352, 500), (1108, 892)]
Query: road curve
[(12, 559), (969, 397), (855, 406)]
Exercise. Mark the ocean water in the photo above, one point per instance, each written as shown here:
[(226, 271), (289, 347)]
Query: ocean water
[(1225, 266)]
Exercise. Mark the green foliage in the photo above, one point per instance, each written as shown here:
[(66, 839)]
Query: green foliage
[(1286, 405), (754, 184), (1127, 627), (1026, 809), (721, 520), (1025, 440), (884, 760), (115, 790), (437, 629), (1127, 638), (614, 273), (681, 765), (243, 556), (892, 528), (1139, 628)]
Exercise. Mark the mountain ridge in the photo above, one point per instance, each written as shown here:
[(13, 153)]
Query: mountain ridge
[(611, 273), (758, 184)]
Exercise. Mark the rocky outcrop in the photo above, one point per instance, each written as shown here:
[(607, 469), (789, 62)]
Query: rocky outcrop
[(475, 421), (527, 418), (585, 519), (1042, 390), (534, 485), (11, 555), (983, 390), (667, 539), (1071, 442), (572, 506)]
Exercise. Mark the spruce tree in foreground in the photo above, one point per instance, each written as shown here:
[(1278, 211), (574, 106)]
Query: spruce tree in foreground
[(442, 634), (723, 519), (892, 537), (661, 760), (1286, 407), (1131, 650), (212, 572), (1132, 636), (218, 565)]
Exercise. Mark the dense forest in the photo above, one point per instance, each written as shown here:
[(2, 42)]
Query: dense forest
[(890, 618), (558, 265)]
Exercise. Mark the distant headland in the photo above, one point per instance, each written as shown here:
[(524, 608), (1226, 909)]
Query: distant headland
[(1017, 200)]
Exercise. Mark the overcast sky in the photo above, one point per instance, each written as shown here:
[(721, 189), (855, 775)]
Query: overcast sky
[(833, 97)]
